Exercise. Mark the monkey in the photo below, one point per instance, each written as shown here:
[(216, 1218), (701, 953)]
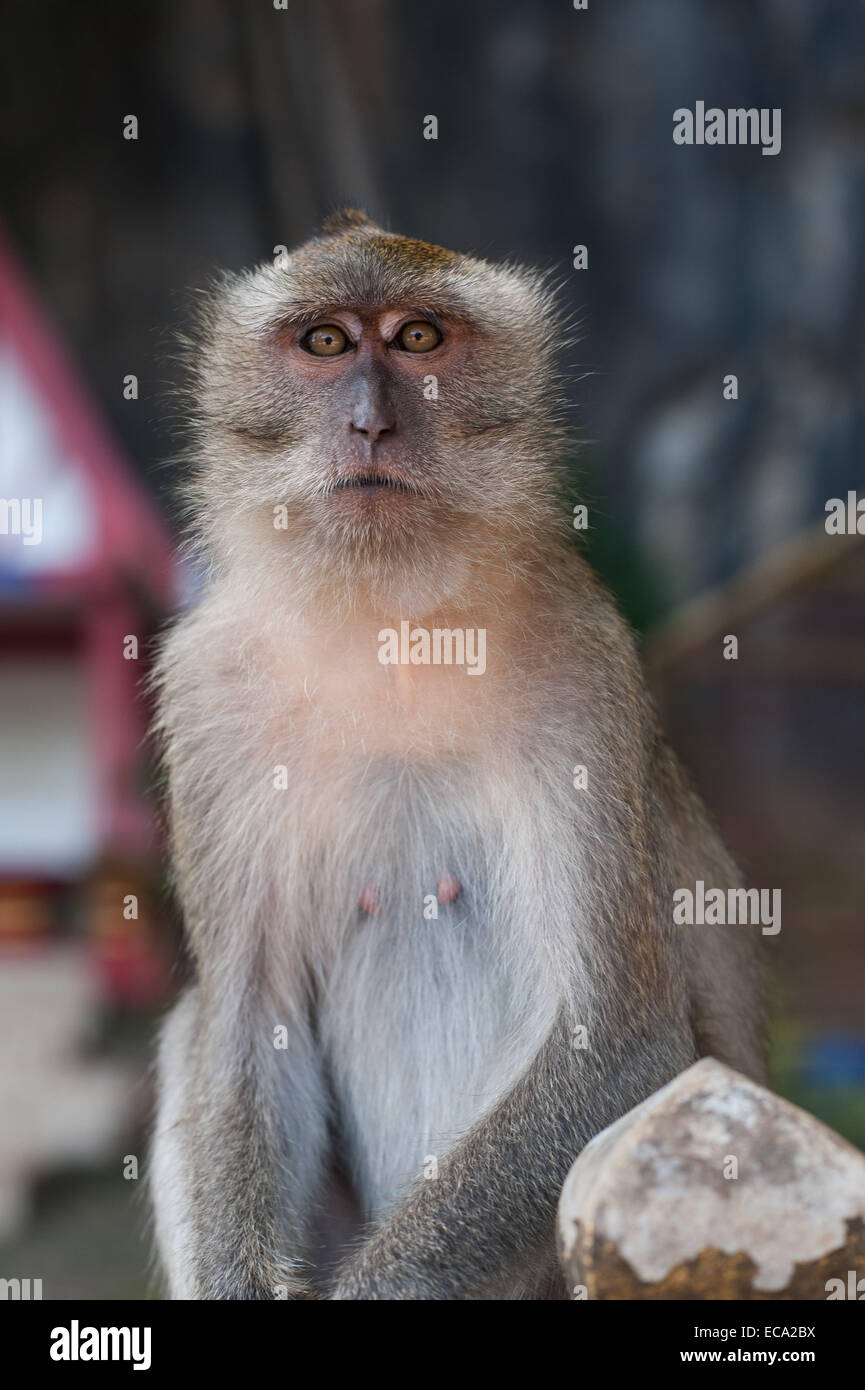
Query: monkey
[(430, 963)]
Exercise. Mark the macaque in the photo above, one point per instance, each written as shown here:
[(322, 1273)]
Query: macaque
[(430, 964)]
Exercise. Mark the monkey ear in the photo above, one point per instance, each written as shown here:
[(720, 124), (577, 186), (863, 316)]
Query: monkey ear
[(345, 220)]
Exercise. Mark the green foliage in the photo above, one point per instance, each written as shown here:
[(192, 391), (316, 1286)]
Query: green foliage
[(608, 547), (841, 1105)]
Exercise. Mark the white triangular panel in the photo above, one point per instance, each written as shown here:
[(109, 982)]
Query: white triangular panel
[(48, 515)]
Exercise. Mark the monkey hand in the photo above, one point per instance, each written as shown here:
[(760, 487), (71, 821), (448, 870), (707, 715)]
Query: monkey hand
[(382, 1271), (267, 1282)]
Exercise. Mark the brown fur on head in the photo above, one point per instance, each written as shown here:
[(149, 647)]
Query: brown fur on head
[(379, 468)]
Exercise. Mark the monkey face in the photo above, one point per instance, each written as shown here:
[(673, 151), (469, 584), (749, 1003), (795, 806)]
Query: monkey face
[(368, 376), (377, 401)]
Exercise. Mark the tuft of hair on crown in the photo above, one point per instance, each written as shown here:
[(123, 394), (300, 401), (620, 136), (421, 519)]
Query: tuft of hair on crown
[(347, 220)]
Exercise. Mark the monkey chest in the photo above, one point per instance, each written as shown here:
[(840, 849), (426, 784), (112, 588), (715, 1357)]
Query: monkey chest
[(431, 1007), (423, 1026)]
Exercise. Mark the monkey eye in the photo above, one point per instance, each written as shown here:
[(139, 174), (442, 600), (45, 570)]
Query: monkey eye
[(326, 341), (418, 336)]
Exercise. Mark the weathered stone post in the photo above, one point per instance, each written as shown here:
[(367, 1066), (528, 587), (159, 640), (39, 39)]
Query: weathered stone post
[(714, 1188)]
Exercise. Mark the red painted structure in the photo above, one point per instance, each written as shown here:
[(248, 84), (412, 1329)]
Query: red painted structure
[(102, 572)]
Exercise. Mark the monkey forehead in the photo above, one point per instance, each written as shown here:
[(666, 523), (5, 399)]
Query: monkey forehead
[(375, 270)]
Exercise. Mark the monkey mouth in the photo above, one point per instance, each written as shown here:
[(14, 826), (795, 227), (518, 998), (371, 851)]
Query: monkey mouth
[(372, 483)]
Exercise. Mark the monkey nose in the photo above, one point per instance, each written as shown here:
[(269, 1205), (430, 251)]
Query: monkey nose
[(372, 424)]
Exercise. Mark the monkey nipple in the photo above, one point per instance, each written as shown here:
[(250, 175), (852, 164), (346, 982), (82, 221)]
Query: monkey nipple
[(369, 900), (448, 888)]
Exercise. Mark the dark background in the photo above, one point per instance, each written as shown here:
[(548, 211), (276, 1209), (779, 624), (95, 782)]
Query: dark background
[(555, 128)]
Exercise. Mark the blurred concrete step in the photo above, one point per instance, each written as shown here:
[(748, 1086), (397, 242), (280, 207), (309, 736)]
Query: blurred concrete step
[(56, 1107), (48, 1002)]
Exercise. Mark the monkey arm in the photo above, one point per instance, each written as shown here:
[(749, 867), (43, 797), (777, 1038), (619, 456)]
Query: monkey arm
[(241, 1131), (237, 1153), (488, 1219)]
